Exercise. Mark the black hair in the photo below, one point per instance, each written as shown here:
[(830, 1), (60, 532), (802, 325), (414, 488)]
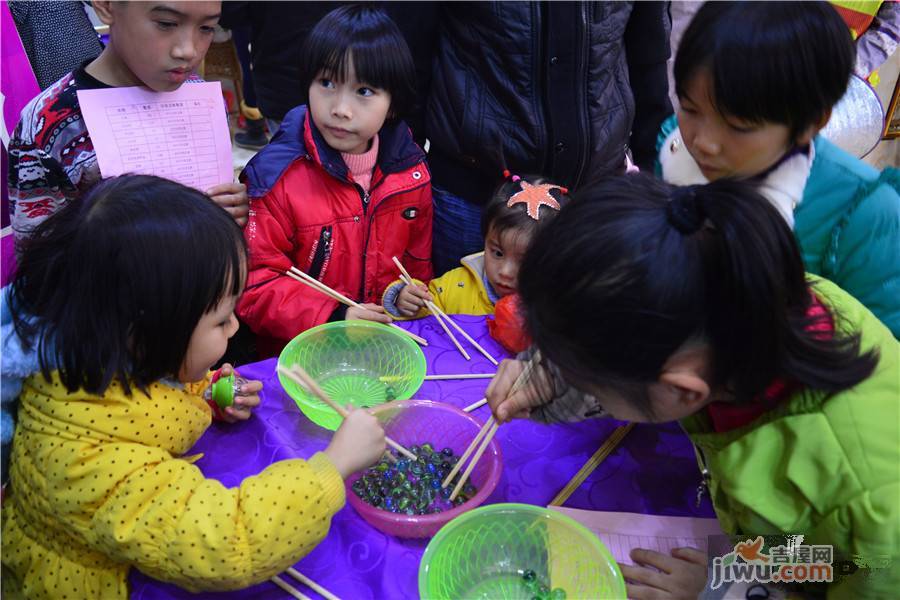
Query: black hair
[(380, 55), (113, 284), (781, 62), (499, 217), (647, 275)]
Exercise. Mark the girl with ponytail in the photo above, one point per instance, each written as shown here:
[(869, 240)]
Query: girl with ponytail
[(693, 305)]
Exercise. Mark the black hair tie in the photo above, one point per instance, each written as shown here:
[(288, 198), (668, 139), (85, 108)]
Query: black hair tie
[(683, 210)]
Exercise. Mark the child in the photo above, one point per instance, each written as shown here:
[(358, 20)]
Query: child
[(756, 81), (342, 187), (120, 305), (51, 154), (660, 303), (519, 207)]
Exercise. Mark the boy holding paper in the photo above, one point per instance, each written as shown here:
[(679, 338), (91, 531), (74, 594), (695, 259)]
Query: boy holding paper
[(153, 44)]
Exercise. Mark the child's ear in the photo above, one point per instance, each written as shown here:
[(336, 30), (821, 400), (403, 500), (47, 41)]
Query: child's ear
[(103, 8), (810, 132), (684, 379)]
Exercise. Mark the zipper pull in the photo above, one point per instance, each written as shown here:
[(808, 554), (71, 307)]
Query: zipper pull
[(365, 198), (703, 488)]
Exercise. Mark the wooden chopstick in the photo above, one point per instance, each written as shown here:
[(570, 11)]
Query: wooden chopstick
[(434, 308), (310, 583), (438, 313), (481, 433), (404, 276), (314, 283), (299, 376), (592, 463), (489, 429), (460, 376), (484, 444), (288, 588), (475, 405)]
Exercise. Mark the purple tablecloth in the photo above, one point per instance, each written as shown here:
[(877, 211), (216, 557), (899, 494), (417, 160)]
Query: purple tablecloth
[(653, 471)]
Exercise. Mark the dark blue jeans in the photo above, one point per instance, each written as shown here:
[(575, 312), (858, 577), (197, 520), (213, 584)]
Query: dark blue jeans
[(456, 231)]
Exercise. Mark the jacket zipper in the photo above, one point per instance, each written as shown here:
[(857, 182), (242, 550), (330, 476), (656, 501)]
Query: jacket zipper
[(323, 251), (364, 196), (585, 129), (703, 488), (362, 283)]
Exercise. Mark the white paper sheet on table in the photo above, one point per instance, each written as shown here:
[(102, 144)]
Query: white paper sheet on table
[(181, 135), (621, 532)]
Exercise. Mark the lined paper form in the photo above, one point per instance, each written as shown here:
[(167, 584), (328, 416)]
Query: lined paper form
[(621, 532), (181, 135)]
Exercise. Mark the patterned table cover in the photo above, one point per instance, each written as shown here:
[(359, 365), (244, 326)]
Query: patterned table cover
[(653, 471)]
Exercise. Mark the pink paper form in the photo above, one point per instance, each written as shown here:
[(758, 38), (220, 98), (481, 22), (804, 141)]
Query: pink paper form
[(621, 532), (181, 135)]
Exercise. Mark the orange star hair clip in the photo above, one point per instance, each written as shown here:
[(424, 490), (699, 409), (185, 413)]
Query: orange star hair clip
[(534, 196)]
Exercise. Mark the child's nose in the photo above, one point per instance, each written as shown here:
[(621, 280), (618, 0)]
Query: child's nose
[(707, 143), (185, 48), (341, 108)]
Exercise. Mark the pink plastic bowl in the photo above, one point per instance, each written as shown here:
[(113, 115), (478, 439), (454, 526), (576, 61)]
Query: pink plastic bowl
[(412, 423)]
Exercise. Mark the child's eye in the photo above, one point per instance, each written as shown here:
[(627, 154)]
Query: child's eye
[(497, 253), (365, 91), (742, 128), (208, 30), (326, 83), (166, 25)]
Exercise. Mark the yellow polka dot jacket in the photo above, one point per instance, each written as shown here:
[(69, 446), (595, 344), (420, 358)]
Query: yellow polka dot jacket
[(99, 484)]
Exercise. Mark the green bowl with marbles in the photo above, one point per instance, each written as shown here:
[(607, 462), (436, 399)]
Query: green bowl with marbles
[(356, 362), (517, 551)]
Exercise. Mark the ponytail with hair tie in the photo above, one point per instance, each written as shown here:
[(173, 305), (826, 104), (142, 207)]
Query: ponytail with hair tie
[(684, 212)]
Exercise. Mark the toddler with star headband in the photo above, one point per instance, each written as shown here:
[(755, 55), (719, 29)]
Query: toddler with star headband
[(519, 208)]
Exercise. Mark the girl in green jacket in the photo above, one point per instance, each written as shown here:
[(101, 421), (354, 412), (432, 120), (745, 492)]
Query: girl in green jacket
[(653, 303), (756, 81)]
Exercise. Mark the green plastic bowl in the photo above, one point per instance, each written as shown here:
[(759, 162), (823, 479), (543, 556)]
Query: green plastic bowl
[(356, 362), (484, 553)]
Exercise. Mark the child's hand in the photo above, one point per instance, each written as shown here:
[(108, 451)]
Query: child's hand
[(246, 396), (233, 198), (682, 575), (411, 299), (368, 312), (358, 443), (536, 392)]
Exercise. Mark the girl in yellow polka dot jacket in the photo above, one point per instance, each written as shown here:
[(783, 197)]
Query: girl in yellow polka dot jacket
[(122, 302)]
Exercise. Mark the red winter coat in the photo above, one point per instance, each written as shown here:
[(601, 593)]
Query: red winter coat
[(306, 211)]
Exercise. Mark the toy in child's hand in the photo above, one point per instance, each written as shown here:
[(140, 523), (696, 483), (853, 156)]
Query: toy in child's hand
[(508, 324), (412, 487), (225, 385)]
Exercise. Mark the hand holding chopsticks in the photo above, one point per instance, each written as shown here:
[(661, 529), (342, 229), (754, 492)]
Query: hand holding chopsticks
[(297, 274), (299, 376), (441, 317), (486, 434)]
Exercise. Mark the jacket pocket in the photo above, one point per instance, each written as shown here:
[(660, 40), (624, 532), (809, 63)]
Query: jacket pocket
[(321, 253)]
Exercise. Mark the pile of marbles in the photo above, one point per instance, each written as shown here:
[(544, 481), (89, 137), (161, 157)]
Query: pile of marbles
[(412, 487), (538, 590)]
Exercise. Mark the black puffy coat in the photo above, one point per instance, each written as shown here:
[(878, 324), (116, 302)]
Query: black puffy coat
[(556, 88)]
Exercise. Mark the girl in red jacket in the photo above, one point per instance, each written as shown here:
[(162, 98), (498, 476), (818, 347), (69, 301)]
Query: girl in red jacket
[(341, 188)]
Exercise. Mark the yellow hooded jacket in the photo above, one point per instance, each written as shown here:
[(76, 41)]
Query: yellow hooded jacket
[(459, 291)]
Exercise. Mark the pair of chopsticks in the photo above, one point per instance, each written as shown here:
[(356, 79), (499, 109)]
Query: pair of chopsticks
[(593, 462), (305, 581), (487, 431), (299, 376), (295, 273), (441, 317)]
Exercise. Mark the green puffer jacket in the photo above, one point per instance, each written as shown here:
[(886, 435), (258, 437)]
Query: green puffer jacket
[(825, 467), (847, 225)]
